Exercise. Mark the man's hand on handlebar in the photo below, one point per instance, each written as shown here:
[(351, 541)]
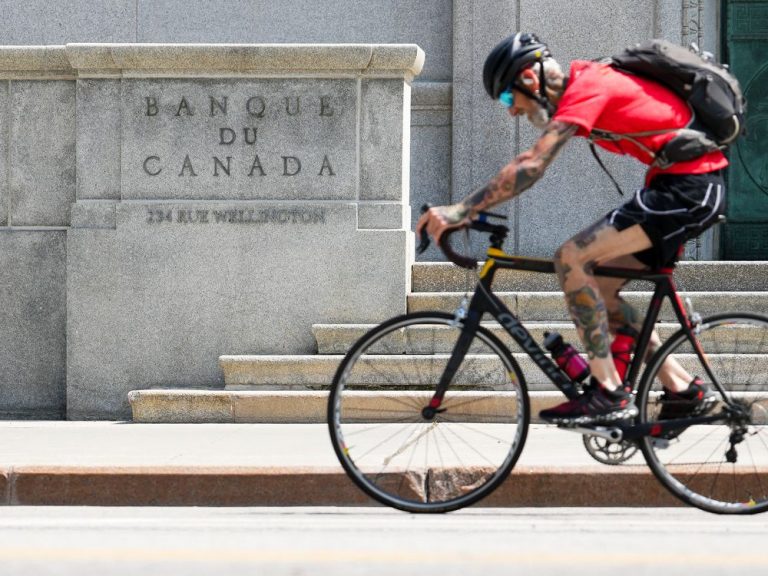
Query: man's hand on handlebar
[(438, 219)]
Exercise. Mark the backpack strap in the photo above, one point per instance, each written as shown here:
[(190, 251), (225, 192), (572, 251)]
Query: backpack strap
[(600, 162), (659, 159)]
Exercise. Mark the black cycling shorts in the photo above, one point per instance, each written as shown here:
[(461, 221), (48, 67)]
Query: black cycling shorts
[(672, 209)]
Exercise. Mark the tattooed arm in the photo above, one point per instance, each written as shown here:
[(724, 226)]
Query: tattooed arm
[(514, 178), (523, 172)]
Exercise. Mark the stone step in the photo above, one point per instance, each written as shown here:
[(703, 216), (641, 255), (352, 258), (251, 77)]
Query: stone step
[(693, 276), (550, 306), (173, 406), (339, 338), (316, 372)]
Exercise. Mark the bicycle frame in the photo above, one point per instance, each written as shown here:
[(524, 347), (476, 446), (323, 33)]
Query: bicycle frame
[(485, 301)]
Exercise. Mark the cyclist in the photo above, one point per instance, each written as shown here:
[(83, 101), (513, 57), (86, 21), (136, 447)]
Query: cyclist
[(648, 232)]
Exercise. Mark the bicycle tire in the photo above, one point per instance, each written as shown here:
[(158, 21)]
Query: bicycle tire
[(695, 463), (391, 451)]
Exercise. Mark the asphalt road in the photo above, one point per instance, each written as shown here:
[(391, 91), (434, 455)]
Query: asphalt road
[(312, 541)]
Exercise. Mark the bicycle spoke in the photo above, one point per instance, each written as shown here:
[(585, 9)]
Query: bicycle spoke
[(370, 363), (373, 427), (700, 441), (383, 442), (453, 450), (450, 406), (712, 461), (475, 450), (754, 468), (408, 467), (404, 459), (706, 462), (476, 431)]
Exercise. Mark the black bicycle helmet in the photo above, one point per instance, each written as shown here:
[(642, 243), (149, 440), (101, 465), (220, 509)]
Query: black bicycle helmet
[(509, 58)]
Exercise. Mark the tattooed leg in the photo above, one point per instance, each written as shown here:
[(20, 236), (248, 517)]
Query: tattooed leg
[(574, 262), (672, 375), (621, 313), (589, 314)]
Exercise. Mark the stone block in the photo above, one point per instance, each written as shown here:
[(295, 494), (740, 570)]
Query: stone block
[(430, 173), (384, 139), (338, 338), (33, 316), (271, 372), (483, 135), (156, 301), (180, 406), (42, 158), (372, 216), (40, 22), (280, 407), (669, 16), (94, 214), (98, 139), (432, 95), (423, 22), (584, 30), (431, 135), (223, 139), (5, 197), (50, 62)]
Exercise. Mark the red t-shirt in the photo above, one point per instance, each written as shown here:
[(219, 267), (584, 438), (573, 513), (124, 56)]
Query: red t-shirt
[(599, 96)]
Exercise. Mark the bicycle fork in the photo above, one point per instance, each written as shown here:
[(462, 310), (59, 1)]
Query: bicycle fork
[(460, 349)]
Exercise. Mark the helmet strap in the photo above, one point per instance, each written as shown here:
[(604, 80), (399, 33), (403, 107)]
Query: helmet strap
[(543, 100), (543, 96)]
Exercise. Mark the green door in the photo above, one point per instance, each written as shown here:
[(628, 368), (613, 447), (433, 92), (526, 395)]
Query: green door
[(745, 236)]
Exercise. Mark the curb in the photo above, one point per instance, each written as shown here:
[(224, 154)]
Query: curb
[(247, 486)]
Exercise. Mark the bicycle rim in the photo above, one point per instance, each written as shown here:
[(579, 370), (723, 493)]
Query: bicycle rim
[(415, 464), (720, 466)]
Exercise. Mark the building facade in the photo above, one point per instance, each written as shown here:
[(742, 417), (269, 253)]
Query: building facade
[(458, 138)]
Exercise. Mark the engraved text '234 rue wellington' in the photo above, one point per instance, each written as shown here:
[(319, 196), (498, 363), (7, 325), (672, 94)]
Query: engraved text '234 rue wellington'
[(222, 164)]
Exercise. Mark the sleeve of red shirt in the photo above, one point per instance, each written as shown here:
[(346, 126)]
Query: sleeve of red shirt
[(582, 104)]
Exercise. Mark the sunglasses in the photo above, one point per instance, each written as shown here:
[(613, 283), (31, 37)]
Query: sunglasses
[(507, 98)]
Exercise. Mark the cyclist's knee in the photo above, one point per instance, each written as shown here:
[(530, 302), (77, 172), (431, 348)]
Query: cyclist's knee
[(570, 256)]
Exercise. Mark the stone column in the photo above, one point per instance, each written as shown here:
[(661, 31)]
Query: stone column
[(484, 138), (228, 197), (37, 187)]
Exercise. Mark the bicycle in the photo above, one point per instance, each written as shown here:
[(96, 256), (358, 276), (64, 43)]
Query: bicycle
[(429, 412)]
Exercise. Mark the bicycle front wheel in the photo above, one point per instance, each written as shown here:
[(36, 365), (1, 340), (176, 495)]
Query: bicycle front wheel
[(427, 464), (720, 466)]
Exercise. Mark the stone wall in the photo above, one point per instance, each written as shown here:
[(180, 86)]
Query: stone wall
[(460, 138), (171, 203), (72, 123)]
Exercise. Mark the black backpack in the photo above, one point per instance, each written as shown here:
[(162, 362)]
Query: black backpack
[(712, 92)]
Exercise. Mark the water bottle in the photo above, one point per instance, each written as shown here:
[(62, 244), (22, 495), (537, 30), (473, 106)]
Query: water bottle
[(621, 349), (566, 357)]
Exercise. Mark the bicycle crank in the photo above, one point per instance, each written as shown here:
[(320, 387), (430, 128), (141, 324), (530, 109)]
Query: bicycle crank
[(605, 444), (607, 452)]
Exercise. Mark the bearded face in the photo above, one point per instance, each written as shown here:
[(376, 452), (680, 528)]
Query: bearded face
[(539, 117)]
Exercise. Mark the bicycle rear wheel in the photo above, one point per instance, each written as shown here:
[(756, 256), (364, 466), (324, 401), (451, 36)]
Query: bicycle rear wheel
[(395, 454), (719, 466)]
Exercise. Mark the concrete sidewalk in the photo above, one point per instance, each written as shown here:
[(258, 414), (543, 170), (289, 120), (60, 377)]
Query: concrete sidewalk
[(126, 464)]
